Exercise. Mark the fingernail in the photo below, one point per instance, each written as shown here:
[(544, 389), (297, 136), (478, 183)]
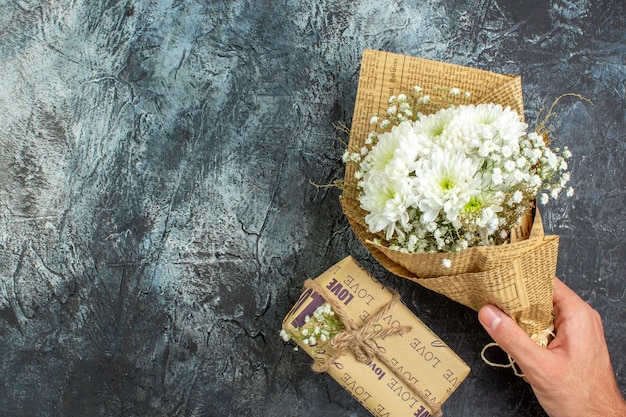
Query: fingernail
[(492, 316)]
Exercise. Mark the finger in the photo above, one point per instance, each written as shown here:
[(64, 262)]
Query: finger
[(511, 338), (564, 297), (573, 315)]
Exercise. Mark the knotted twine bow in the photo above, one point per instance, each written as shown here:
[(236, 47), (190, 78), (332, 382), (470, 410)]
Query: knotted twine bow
[(360, 341)]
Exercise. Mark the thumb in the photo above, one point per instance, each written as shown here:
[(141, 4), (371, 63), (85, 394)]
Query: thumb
[(511, 338)]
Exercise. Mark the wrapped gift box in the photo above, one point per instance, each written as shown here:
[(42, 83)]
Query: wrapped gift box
[(412, 373)]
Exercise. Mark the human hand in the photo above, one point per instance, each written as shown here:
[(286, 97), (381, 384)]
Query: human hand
[(573, 376)]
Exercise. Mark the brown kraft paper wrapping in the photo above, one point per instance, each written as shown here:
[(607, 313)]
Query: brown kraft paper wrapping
[(517, 277), (423, 360)]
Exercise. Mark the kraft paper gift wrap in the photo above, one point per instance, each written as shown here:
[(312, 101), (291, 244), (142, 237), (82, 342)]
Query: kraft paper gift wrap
[(412, 373), (517, 277)]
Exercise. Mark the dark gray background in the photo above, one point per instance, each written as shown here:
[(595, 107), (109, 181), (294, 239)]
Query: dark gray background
[(156, 215)]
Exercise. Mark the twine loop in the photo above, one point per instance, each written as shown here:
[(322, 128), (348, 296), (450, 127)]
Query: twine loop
[(542, 339)]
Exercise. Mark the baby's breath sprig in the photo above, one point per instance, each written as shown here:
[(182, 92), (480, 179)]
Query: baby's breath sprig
[(317, 330), (401, 108), (449, 96)]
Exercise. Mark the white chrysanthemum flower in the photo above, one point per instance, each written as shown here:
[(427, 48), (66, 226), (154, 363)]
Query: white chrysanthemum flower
[(569, 192), (395, 153), (387, 200), (446, 263), (374, 120), (445, 183), (517, 197), (381, 154), (455, 91), (463, 130), (506, 121), (496, 121), (434, 131), (544, 198)]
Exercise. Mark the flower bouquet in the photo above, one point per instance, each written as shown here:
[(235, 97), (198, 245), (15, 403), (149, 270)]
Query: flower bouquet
[(441, 183)]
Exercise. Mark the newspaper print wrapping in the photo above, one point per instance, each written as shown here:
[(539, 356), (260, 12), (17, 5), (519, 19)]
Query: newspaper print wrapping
[(517, 277)]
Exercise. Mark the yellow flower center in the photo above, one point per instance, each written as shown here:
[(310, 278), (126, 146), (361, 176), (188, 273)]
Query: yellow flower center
[(447, 184), (473, 206)]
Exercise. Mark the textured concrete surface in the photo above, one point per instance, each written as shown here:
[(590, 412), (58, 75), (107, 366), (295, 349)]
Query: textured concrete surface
[(156, 215)]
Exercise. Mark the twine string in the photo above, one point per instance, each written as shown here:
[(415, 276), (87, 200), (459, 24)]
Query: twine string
[(359, 340), (542, 339)]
